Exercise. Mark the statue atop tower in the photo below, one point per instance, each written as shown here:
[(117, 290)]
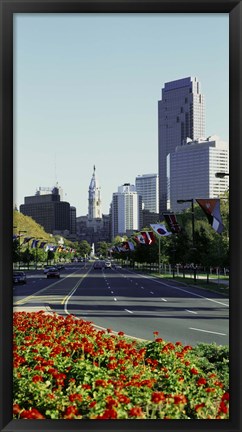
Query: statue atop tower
[(94, 198)]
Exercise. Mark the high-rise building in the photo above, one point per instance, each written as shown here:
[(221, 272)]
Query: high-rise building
[(192, 168), (49, 211), (180, 116), (126, 210), (147, 185)]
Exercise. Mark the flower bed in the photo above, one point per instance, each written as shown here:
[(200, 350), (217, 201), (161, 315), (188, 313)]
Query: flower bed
[(65, 369)]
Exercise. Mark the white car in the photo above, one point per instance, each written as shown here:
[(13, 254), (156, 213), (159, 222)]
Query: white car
[(108, 264)]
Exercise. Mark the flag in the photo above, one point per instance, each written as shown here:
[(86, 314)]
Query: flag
[(139, 239), (160, 230), (34, 243), (148, 237), (27, 239), (172, 223), (42, 245), (211, 208), (131, 245)]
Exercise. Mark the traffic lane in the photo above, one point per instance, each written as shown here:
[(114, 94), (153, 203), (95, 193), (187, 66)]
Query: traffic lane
[(43, 290), (141, 322), (106, 307), (180, 286)]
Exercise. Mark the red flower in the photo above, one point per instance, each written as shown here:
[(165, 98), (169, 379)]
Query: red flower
[(75, 397), (92, 404), (201, 381), (32, 413), (225, 397), (16, 409), (37, 378), (157, 397), (121, 333), (210, 390), (108, 414), (155, 333), (223, 408), (101, 383), (194, 371), (180, 399), (136, 412), (123, 399), (198, 406), (158, 340), (70, 412), (111, 402)]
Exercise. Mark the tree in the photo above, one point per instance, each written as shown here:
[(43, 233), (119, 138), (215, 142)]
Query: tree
[(102, 248), (84, 248)]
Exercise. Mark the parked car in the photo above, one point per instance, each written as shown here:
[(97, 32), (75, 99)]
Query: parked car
[(53, 272), (19, 277), (98, 265), (108, 264)]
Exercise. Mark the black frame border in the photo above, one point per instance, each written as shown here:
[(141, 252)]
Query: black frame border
[(7, 9)]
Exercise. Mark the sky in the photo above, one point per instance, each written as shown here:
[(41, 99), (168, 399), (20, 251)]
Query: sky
[(86, 91)]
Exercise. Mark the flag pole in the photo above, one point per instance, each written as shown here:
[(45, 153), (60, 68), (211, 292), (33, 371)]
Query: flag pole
[(159, 257)]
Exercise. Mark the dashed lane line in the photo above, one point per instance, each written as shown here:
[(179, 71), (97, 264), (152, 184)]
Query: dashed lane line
[(207, 331)]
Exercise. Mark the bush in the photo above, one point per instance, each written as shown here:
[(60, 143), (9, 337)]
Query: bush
[(65, 369)]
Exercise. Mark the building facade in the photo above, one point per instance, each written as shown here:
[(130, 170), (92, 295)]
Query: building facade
[(147, 185), (126, 210), (94, 198), (180, 116), (191, 171), (49, 211), (95, 226)]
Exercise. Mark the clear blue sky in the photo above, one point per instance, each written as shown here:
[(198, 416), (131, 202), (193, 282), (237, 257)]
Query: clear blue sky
[(86, 91)]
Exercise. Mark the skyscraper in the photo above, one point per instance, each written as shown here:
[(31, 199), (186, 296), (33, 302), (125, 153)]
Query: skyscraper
[(192, 168), (49, 211), (126, 210), (180, 116), (147, 185)]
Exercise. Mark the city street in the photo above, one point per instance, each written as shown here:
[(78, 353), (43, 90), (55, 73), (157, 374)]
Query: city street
[(123, 300)]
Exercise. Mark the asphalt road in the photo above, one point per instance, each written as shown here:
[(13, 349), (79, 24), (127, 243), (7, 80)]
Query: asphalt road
[(127, 301)]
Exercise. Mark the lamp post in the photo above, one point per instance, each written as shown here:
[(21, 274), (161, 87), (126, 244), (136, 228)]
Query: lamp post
[(191, 200)]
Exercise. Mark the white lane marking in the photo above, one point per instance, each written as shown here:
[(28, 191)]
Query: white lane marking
[(26, 299), (151, 292), (164, 299), (127, 310), (142, 287), (207, 331), (136, 283), (66, 299), (111, 292), (115, 299), (183, 290), (191, 311)]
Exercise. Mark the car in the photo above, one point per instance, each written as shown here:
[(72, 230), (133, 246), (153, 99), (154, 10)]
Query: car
[(108, 264), (19, 277), (98, 265), (46, 268), (53, 272), (60, 267)]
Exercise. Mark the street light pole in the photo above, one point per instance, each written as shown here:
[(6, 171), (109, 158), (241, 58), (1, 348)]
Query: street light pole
[(191, 200)]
